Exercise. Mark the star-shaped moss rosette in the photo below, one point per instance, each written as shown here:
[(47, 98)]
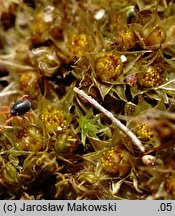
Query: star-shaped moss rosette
[(90, 126)]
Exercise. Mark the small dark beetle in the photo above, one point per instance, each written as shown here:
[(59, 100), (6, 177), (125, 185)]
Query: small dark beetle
[(20, 107), (17, 110)]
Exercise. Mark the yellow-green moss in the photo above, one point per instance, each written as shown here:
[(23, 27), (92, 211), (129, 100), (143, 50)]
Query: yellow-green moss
[(108, 66)]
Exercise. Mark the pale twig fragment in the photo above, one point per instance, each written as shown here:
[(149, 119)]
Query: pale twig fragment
[(133, 137)]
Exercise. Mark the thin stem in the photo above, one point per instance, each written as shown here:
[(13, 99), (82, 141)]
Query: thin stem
[(2, 94), (133, 137), (14, 65), (16, 151), (2, 126)]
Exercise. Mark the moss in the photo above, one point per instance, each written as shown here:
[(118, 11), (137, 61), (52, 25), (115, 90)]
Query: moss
[(53, 119), (108, 66), (154, 76), (115, 162), (143, 131), (121, 53)]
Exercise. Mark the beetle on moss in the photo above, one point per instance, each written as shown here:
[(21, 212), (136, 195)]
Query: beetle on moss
[(17, 109), (20, 107)]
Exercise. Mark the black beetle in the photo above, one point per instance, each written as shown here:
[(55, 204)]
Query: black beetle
[(17, 110), (20, 107)]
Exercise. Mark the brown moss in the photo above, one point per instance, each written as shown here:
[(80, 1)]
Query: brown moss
[(153, 77), (115, 162), (53, 119), (108, 66)]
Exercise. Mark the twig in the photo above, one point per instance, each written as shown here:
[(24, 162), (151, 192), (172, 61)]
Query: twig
[(133, 137)]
